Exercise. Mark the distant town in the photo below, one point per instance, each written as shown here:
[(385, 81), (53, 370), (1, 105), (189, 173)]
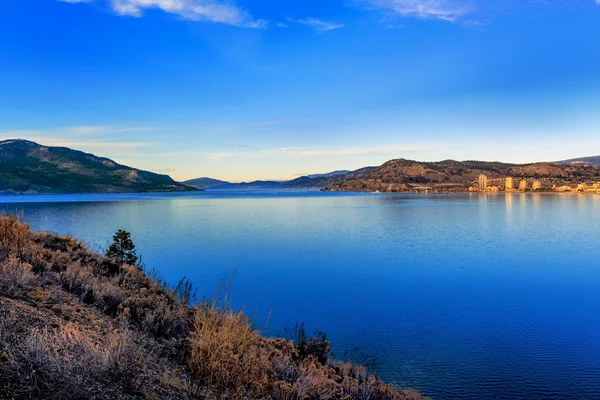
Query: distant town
[(510, 184)]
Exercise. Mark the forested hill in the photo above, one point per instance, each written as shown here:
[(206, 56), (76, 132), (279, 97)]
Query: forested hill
[(28, 167)]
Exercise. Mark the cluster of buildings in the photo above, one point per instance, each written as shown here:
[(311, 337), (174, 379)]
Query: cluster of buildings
[(582, 187), (510, 185)]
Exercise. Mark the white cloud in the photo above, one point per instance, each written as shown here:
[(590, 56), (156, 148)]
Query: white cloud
[(449, 10), (282, 25), (318, 25), (195, 10)]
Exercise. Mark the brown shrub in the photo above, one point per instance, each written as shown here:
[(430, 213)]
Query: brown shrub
[(158, 316), (60, 361), (13, 234), (106, 296), (126, 359), (15, 277), (314, 381), (64, 362), (75, 278), (225, 356)]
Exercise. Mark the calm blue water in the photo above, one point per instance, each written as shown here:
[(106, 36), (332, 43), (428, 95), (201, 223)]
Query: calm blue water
[(461, 296)]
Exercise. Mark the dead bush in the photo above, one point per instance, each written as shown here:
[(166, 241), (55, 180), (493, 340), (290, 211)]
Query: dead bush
[(124, 360), (16, 277), (75, 277), (61, 361), (225, 357), (106, 296), (13, 234), (317, 345), (314, 381)]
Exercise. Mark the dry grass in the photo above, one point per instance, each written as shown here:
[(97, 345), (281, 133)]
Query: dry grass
[(13, 234), (73, 325), (16, 277), (61, 360), (225, 356)]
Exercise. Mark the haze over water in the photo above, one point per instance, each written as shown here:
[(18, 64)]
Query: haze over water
[(463, 296)]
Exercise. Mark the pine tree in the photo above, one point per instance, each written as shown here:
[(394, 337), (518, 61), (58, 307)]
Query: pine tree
[(122, 250)]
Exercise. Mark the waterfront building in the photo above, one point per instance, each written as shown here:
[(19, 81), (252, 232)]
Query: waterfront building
[(510, 183), (564, 188), (582, 187), (523, 185), (537, 184), (482, 182)]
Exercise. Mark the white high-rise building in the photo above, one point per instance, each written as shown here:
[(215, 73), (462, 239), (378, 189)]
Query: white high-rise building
[(523, 185), (482, 182), (510, 183)]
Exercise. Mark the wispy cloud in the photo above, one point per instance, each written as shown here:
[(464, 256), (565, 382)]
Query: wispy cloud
[(87, 130), (317, 24), (194, 10), (449, 10), (105, 129), (354, 151), (219, 156), (164, 171), (464, 11), (74, 144), (89, 138)]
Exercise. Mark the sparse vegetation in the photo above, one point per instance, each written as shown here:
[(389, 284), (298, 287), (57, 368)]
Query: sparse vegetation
[(76, 325)]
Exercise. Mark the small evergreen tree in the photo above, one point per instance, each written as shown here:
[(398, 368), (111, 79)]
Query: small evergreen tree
[(122, 250)]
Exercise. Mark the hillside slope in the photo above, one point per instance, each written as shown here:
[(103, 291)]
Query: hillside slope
[(204, 183), (405, 175), (593, 161), (27, 167), (76, 325)]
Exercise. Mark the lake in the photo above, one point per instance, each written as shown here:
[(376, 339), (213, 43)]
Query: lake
[(461, 296)]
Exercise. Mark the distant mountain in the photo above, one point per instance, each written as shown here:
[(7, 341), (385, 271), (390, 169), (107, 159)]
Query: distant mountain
[(594, 160), (405, 175), (326, 180), (249, 185), (329, 174), (28, 167), (317, 181), (204, 183)]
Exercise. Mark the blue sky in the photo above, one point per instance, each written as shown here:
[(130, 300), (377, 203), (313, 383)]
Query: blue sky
[(258, 89)]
